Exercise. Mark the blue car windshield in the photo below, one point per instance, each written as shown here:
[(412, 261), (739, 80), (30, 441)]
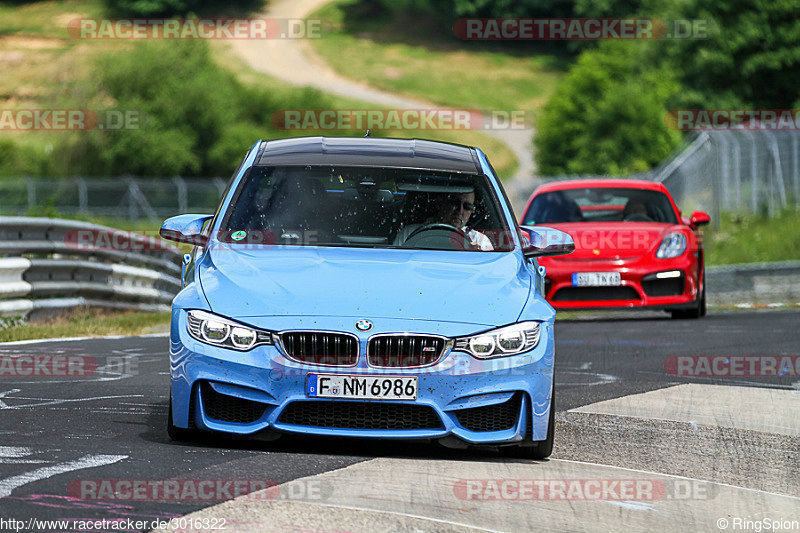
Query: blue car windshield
[(601, 204), (366, 207)]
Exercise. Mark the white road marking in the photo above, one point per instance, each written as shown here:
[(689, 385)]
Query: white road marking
[(88, 461), (397, 513), (11, 455), (634, 506), (72, 339), (4, 394), (49, 401), (14, 451)]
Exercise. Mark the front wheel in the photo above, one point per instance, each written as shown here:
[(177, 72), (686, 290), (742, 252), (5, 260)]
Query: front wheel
[(699, 309), (541, 449), (175, 433)]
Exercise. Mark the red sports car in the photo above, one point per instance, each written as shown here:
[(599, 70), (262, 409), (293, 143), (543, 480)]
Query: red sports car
[(632, 248)]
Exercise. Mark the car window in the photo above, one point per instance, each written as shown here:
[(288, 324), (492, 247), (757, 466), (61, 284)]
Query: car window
[(358, 206), (601, 204)]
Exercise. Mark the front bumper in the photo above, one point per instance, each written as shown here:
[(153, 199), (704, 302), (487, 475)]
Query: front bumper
[(639, 285), (504, 400)]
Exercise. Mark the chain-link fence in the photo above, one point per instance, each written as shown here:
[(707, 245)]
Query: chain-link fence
[(731, 171), (736, 170), (124, 197), (715, 171)]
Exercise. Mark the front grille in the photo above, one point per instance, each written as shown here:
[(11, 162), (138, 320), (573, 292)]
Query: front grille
[(496, 417), (405, 351), (360, 415), (321, 347), (653, 286), (229, 408), (582, 294)]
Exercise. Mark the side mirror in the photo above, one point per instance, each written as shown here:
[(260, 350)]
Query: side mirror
[(185, 228), (547, 241), (699, 218)]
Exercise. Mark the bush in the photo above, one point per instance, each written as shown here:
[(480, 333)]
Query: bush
[(607, 115), (195, 118), (166, 8), (22, 160)]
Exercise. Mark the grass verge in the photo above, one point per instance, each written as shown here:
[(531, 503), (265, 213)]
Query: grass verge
[(747, 238), (404, 53), (86, 322), (502, 158)]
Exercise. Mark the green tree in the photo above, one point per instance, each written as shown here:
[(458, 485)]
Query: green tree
[(752, 56), (607, 115)]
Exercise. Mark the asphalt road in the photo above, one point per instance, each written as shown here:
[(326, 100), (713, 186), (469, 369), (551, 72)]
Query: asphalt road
[(57, 431)]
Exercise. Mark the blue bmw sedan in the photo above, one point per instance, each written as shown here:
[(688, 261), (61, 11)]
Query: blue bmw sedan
[(364, 287)]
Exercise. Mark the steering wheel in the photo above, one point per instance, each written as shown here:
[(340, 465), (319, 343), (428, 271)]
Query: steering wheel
[(446, 235)]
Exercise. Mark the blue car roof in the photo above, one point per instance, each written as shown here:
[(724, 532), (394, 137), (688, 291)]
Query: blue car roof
[(369, 152)]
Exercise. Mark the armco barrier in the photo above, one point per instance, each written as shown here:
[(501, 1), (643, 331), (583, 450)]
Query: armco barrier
[(47, 268), (754, 283)]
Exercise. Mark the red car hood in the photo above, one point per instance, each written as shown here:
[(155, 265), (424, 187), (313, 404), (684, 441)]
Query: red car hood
[(613, 240)]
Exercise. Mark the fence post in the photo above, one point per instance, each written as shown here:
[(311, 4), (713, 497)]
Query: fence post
[(220, 185), (777, 166), (31, 192), (753, 172), (737, 160), (83, 196), (715, 182), (723, 161), (796, 176), (183, 201)]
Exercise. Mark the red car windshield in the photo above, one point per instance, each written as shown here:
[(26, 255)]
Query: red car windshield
[(601, 204)]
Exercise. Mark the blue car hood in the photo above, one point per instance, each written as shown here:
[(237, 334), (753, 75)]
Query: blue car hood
[(468, 287)]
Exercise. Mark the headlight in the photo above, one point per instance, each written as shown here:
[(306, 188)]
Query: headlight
[(223, 332), (508, 340), (673, 245)]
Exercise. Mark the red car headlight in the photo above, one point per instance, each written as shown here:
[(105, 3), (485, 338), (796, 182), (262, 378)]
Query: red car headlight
[(673, 245)]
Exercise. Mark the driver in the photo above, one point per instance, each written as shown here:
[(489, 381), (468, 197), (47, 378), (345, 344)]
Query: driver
[(635, 209), (455, 210)]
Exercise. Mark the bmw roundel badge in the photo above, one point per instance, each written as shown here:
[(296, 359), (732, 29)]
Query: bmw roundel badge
[(363, 325)]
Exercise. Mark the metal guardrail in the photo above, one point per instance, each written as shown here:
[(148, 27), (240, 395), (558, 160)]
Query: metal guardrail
[(754, 283), (55, 264)]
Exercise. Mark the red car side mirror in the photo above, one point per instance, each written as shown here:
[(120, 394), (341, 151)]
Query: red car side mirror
[(699, 218)]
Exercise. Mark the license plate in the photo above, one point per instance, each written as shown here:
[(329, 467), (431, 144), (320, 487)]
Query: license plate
[(362, 387), (596, 279)]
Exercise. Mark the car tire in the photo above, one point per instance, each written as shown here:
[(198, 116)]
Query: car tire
[(703, 307), (543, 448), (700, 307), (175, 433)]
